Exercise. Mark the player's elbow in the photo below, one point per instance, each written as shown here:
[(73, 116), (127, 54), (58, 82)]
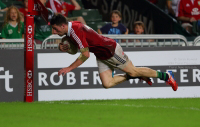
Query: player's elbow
[(77, 8)]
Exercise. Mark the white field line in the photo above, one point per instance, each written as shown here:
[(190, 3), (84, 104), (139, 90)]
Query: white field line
[(130, 105)]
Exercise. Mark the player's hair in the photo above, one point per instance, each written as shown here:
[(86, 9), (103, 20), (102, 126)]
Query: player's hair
[(139, 23), (116, 12), (58, 19), (7, 17)]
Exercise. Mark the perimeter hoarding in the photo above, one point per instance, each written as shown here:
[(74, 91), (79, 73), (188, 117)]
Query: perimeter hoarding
[(84, 82), (11, 75)]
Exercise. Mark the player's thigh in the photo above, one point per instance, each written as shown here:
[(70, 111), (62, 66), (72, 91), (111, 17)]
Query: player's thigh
[(105, 72), (106, 77), (129, 68)]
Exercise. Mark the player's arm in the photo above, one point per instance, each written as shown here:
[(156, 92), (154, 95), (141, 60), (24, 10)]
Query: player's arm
[(99, 31), (85, 54), (126, 31), (77, 6), (186, 19)]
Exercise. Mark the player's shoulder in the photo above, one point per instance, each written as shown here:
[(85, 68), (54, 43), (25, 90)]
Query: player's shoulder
[(76, 24)]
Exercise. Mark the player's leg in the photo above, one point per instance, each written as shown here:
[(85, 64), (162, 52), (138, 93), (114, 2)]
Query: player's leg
[(109, 81), (105, 73), (143, 72), (122, 62)]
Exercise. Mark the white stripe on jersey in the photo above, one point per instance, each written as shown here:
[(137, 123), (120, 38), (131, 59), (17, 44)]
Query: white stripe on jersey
[(53, 6), (77, 39)]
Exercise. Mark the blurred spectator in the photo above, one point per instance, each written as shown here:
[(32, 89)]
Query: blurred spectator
[(42, 29), (3, 7), (172, 6), (24, 10), (62, 7), (13, 27), (114, 27), (138, 28), (188, 12)]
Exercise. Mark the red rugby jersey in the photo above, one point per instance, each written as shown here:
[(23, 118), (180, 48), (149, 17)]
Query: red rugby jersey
[(189, 8), (67, 7), (102, 47), (56, 6)]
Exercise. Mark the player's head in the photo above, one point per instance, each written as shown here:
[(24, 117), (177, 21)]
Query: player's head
[(59, 24), (115, 16), (138, 27)]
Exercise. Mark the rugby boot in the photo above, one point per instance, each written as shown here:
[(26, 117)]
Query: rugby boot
[(171, 81)]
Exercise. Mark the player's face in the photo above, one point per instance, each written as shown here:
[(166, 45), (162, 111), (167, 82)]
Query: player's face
[(115, 18), (138, 29), (13, 14), (60, 30)]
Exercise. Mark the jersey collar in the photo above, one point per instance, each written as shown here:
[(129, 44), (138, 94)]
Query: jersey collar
[(69, 28)]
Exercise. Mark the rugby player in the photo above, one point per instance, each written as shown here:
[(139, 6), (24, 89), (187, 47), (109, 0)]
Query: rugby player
[(109, 55)]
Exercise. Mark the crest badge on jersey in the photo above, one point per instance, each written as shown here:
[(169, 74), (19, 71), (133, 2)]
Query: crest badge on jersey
[(10, 31), (199, 2)]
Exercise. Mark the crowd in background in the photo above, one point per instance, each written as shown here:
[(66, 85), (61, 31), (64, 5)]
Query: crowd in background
[(185, 12)]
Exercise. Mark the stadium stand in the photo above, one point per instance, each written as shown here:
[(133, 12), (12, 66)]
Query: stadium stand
[(96, 25), (89, 15), (2, 15), (159, 41), (12, 2)]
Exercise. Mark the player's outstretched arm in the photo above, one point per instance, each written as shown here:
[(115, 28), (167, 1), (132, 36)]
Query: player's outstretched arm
[(85, 54)]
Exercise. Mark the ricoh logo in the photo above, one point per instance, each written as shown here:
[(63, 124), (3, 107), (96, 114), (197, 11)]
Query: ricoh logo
[(195, 11), (6, 76), (29, 38)]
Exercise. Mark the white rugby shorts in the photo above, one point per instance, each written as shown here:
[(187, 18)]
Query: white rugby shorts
[(119, 60)]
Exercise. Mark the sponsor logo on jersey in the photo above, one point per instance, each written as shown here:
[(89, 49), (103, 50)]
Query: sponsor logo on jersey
[(187, 5), (195, 11)]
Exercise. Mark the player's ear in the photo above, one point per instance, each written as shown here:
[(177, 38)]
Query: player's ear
[(63, 26)]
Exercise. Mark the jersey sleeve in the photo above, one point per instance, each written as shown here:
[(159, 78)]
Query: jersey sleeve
[(79, 36), (69, 7)]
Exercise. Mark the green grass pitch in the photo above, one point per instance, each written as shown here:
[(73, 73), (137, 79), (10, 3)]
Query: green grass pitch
[(183, 112)]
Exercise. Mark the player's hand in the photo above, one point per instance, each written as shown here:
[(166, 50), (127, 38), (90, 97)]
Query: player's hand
[(63, 71), (63, 47), (192, 19)]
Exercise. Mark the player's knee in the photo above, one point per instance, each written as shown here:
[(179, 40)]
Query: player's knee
[(108, 84)]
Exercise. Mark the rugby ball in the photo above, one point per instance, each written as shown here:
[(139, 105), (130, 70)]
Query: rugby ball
[(73, 49)]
